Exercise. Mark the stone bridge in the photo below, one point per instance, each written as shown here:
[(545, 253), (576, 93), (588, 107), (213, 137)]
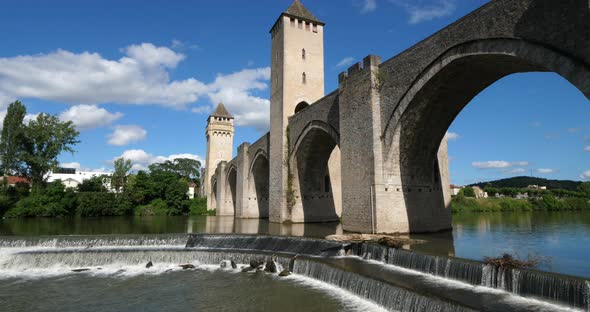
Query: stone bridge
[(372, 153)]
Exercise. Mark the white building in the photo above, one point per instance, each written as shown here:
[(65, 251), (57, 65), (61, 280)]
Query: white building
[(71, 177)]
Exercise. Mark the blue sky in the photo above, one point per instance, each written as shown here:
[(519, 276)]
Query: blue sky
[(138, 78)]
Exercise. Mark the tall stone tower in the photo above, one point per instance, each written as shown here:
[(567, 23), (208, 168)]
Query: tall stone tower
[(297, 80), (220, 140)]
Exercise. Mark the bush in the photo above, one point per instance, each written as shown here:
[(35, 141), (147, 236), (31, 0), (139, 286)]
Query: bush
[(468, 192), (96, 204), (198, 207), (509, 261), (156, 207)]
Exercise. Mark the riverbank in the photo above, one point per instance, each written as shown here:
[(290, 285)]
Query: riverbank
[(546, 203)]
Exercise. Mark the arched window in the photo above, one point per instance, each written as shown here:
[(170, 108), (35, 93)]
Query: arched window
[(303, 53), (300, 106), (304, 78)]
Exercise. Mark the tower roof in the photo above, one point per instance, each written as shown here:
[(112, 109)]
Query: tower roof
[(221, 111), (297, 10)]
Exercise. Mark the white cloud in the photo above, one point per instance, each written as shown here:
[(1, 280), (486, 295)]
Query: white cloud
[(587, 148), (142, 159), (124, 135), (141, 76), (545, 170), (452, 136), (347, 61), (422, 12), (89, 116), (233, 91), (369, 6), (498, 164), (536, 124), (585, 175)]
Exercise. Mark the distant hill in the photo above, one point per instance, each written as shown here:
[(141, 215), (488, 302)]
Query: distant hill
[(522, 182)]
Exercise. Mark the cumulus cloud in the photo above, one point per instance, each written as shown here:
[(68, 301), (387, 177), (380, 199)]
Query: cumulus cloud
[(369, 6), (124, 135), (545, 170), (419, 11), (498, 164), (234, 92), (141, 76), (142, 159), (452, 136), (585, 175), (89, 116), (347, 61)]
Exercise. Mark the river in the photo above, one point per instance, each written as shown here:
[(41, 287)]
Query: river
[(558, 239)]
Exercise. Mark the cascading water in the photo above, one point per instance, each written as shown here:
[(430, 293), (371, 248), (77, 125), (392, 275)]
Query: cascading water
[(563, 289), (393, 298)]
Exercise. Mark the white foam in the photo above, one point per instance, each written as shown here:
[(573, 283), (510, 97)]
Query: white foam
[(507, 296)]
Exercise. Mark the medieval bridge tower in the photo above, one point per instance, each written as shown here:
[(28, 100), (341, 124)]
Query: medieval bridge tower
[(220, 140)]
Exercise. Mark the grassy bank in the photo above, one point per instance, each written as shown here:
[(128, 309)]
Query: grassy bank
[(547, 202)]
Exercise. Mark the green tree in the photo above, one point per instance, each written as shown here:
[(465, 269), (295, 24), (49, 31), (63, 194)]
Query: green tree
[(190, 169), (94, 184), (584, 188), (12, 139), (119, 178), (45, 138), (468, 191)]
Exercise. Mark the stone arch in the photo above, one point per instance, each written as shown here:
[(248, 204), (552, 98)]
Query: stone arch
[(258, 185), (415, 130), (315, 174), (300, 106), (213, 193), (230, 195)]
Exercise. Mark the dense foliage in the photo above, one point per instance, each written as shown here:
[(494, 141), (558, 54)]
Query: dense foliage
[(523, 182), (546, 202), (147, 193)]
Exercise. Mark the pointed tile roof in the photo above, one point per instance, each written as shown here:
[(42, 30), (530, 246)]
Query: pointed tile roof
[(297, 10), (221, 111)]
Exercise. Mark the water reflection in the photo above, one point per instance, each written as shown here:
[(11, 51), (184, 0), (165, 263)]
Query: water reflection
[(160, 225)]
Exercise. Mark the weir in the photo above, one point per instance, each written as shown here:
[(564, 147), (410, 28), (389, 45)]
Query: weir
[(396, 279)]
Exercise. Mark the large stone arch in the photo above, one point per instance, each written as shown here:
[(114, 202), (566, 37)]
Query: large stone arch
[(258, 186), (315, 174), (213, 193), (230, 196), (415, 130)]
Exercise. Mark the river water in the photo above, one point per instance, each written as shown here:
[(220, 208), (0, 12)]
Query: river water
[(558, 239)]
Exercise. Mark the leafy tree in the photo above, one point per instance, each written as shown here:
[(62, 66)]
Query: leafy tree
[(119, 178), (94, 184), (584, 188), (45, 138), (468, 191), (187, 168), (12, 139)]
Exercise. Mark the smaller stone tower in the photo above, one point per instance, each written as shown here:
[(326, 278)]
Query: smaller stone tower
[(220, 140)]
